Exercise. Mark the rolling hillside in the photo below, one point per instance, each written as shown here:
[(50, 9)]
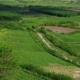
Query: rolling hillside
[(39, 40)]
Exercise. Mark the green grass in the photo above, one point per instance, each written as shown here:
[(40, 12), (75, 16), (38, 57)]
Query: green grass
[(41, 2), (9, 2), (26, 51), (27, 76), (8, 13), (60, 12), (42, 20), (73, 40), (19, 74)]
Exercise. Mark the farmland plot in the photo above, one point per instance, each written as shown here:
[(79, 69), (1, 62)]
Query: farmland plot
[(26, 50)]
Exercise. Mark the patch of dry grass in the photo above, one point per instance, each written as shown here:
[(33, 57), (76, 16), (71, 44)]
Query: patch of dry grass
[(67, 70)]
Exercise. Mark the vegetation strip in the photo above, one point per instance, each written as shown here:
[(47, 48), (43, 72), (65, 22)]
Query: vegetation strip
[(52, 51), (6, 62), (57, 42), (41, 72)]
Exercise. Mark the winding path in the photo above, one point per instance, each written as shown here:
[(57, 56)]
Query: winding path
[(42, 38)]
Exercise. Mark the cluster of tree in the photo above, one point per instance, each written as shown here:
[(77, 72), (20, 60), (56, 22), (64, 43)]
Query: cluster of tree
[(10, 18), (12, 25), (23, 1), (10, 12), (58, 42), (53, 11), (60, 12)]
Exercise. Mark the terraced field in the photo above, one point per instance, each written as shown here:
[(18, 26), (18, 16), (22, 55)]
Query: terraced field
[(73, 40), (26, 51), (30, 52)]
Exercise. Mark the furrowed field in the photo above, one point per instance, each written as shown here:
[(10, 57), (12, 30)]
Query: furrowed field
[(39, 40)]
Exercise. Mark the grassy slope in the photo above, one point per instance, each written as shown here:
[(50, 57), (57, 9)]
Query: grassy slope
[(26, 51), (8, 13), (73, 40)]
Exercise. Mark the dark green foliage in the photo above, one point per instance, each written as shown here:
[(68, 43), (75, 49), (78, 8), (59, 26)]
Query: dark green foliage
[(60, 12), (4, 50), (7, 64), (43, 73), (67, 24), (7, 15), (29, 28), (12, 25)]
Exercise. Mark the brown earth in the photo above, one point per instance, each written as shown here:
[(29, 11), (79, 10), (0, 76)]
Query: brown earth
[(60, 29), (72, 71)]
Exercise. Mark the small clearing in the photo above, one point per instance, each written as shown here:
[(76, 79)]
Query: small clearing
[(60, 29)]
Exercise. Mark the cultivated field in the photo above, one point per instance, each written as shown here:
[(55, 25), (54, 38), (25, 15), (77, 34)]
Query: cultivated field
[(39, 40)]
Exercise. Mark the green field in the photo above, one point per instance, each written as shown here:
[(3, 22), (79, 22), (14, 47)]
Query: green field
[(57, 3), (72, 39), (26, 51), (26, 55), (46, 20)]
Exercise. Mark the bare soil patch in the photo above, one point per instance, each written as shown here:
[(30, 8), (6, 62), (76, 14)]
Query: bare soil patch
[(44, 40), (72, 71), (60, 29)]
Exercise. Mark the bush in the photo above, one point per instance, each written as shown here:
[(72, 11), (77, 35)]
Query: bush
[(12, 25), (60, 12)]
